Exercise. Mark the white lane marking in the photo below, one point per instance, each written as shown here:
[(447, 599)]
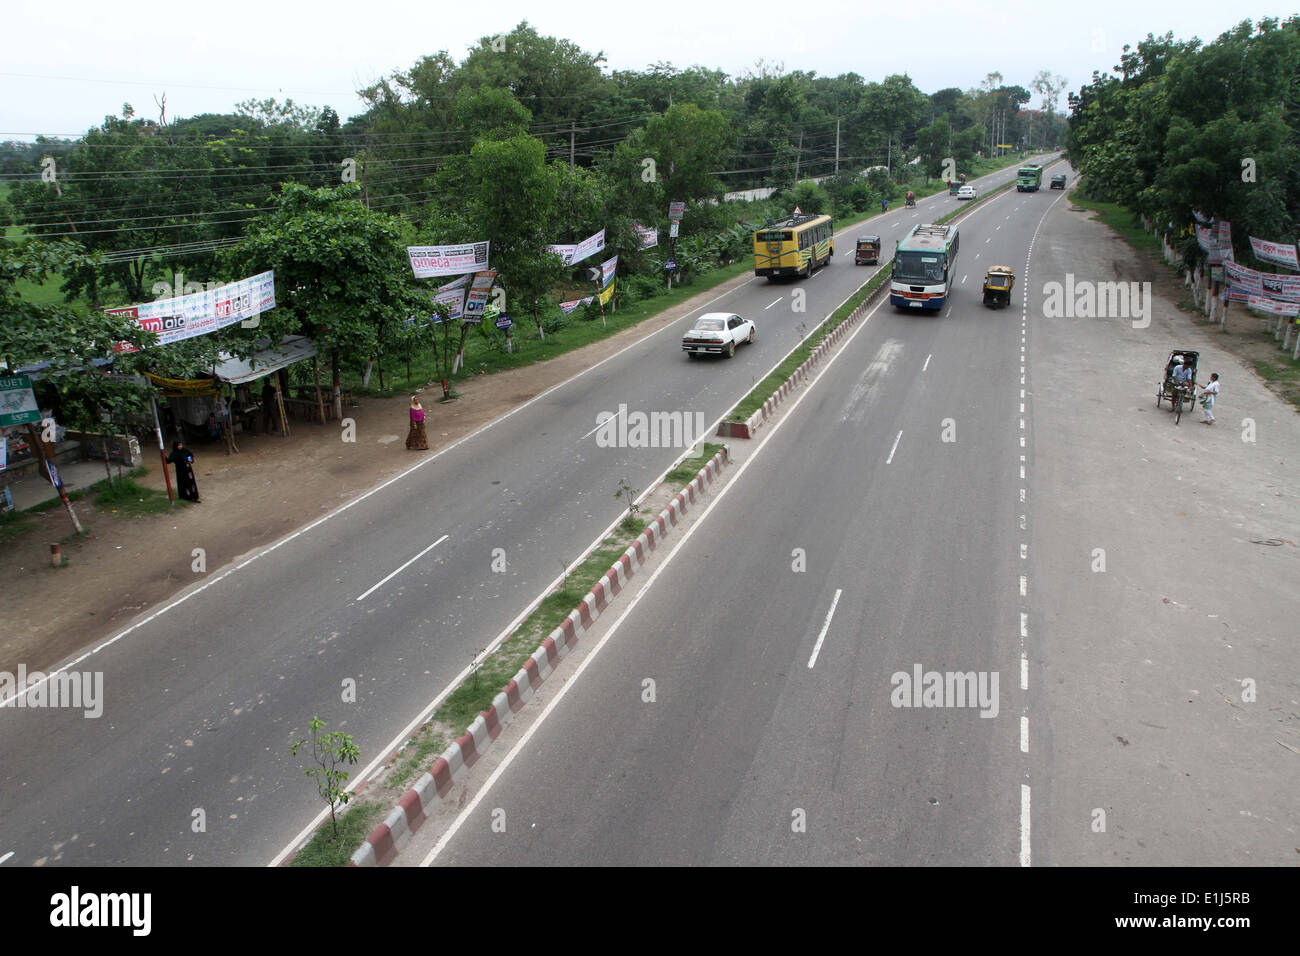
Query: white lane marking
[(6, 856), (899, 223), (927, 361), (1025, 857), (963, 278), (403, 568), (772, 303), (1022, 424), (1024, 671), (1024, 586), (1024, 551), (894, 449), (1024, 735), (1022, 496), (977, 255), (988, 240), (571, 682), (1024, 625), (825, 627), (601, 424)]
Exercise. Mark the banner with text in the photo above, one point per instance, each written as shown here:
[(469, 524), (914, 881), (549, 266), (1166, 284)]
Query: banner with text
[(1273, 306), (478, 295), (428, 262), (573, 253), (607, 270), (188, 316), (1275, 253), (1269, 284), (649, 236)]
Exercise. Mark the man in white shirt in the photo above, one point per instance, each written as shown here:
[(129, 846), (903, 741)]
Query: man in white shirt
[(1208, 396)]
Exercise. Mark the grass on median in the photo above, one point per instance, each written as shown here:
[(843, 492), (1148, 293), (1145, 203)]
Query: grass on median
[(326, 849)]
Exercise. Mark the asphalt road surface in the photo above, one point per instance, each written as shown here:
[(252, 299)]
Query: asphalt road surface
[(395, 593), (775, 736)]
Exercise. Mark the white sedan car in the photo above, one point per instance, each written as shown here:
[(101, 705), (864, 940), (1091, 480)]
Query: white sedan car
[(719, 333), (966, 192)]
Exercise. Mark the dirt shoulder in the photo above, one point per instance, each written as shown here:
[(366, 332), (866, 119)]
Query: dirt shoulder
[(274, 485)]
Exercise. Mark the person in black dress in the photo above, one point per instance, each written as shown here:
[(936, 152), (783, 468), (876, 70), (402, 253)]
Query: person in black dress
[(183, 459)]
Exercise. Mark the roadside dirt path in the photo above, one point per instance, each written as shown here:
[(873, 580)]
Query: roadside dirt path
[(125, 565)]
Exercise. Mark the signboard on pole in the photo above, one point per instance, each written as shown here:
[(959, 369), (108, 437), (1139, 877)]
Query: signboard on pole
[(676, 210), (476, 301), (649, 236), (672, 229), (17, 401), (503, 322), (430, 261)]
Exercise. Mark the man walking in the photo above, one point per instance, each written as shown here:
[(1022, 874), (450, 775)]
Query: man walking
[(270, 414), (1209, 394)]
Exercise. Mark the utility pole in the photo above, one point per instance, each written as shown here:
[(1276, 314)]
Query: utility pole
[(797, 155), (571, 132), (837, 145)]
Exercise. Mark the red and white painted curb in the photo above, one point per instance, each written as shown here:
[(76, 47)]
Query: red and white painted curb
[(747, 428), (386, 840)]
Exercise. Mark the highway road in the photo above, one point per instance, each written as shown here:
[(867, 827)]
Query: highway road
[(775, 737), (394, 592)]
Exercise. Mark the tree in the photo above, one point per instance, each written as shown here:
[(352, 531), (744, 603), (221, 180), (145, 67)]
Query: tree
[(688, 144), (341, 270), (329, 752)]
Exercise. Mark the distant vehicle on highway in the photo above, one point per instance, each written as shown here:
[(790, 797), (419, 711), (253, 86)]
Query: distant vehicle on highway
[(793, 246), (966, 192), (718, 333), (1058, 181)]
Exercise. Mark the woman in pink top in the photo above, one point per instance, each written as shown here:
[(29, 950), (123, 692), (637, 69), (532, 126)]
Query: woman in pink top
[(417, 438)]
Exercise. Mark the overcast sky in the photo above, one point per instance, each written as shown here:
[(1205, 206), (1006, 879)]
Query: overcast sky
[(68, 64)]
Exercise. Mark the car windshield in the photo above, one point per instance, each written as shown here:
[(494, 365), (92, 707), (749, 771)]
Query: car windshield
[(918, 267), (710, 325)]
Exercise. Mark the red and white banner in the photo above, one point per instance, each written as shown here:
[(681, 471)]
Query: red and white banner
[(649, 236), (1276, 253), (1273, 306), (567, 307), (1265, 284), (430, 261), (189, 316)]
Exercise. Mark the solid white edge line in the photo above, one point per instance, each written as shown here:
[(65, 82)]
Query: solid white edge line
[(567, 685), (825, 627), (403, 568), (6, 856)]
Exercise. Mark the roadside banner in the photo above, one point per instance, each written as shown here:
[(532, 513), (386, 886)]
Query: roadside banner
[(567, 307), (1266, 284), (428, 262), (476, 301), (1273, 306), (189, 316), (649, 236), (606, 294), (573, 253), (607, 270), (1276, 253), (17, 401)]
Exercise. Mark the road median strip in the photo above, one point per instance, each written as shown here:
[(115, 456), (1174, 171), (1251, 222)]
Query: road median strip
[(385, 841)]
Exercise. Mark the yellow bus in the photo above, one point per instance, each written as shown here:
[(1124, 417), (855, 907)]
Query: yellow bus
[(793, 246)]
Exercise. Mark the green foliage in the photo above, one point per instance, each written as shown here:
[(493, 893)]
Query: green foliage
[(1182, 126), (329, 752)]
